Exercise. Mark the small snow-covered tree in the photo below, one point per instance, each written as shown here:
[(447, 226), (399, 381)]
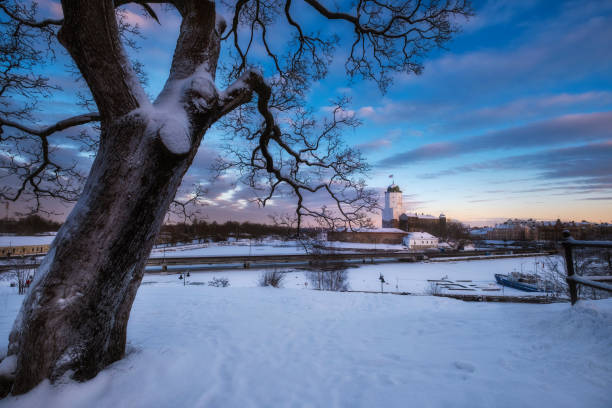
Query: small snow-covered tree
[(75, 315)]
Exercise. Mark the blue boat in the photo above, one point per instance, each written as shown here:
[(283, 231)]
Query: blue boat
[(506, 280)]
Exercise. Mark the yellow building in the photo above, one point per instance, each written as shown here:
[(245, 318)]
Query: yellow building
[(23, 250)]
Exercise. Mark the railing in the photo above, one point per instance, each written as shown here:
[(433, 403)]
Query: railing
[(574, 280)]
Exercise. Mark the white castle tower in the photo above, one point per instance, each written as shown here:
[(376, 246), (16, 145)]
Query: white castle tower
[(393, 207)]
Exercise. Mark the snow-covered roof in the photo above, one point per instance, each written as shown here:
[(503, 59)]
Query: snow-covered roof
[(375, 230), (420, 235), (422, 216)]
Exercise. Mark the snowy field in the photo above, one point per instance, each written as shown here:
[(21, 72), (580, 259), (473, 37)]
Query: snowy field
[(199, 346), (234, 249), (266, 248), (400, 276)]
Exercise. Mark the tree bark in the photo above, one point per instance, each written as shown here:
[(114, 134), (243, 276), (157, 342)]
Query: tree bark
[(76, 313), (75, 317)]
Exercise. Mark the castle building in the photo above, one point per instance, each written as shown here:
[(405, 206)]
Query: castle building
[(393, 216), (394, 207)]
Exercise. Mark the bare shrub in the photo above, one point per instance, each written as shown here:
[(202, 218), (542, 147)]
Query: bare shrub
[(219, 282), (22, 273), (271, 278), (326, 275), (433, 289), (553, 277), (329, 278), (587, 262)]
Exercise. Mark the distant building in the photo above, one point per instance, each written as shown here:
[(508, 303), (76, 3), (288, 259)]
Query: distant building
[(394, 216), (414, 222), (528, 230), (23, 250), (420, 240), (393, 207), (369, 235)]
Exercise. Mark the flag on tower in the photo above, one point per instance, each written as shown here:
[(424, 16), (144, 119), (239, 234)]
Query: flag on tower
[(390, 175)]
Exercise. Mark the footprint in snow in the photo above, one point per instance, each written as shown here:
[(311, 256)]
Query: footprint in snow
[(464, 366)]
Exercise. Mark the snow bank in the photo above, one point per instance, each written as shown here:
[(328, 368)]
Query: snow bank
[(8, 367), (198, 346), (20, 240), (168, 118)]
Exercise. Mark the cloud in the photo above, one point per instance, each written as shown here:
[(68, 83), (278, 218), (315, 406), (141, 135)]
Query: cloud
[(574, 170), (384, 142), (403, 111), (444, 117), (597, 198), (549, 52), (50, 8), (541, 54), (375, 144), (524, 109), (552, 132), (495, 12), (483, 200)]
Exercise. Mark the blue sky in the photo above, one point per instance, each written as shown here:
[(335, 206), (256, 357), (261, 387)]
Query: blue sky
[(513, 119)]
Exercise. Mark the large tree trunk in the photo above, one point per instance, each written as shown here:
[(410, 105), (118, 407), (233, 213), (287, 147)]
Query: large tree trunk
[(75, 316), (76, 313)]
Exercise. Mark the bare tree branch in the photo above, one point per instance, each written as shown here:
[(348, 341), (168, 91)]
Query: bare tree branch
[(187, 209), (57, 127), (29, 21), (305, 162)]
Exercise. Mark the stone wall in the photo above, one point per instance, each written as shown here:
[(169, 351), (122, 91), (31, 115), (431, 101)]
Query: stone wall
[(367, 237)]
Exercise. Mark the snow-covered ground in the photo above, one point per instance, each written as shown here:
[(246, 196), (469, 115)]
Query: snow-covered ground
[(199, 346), (400, 276), (265, 248), (410, 277), (364, 246), (234, 249), (19, 240)]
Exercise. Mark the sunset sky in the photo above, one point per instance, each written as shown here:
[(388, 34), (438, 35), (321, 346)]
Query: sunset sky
[(513, 119)]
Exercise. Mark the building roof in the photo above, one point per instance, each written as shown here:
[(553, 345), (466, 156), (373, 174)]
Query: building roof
[(420, 235), (375, 230), (393, 188), (420, 216)]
